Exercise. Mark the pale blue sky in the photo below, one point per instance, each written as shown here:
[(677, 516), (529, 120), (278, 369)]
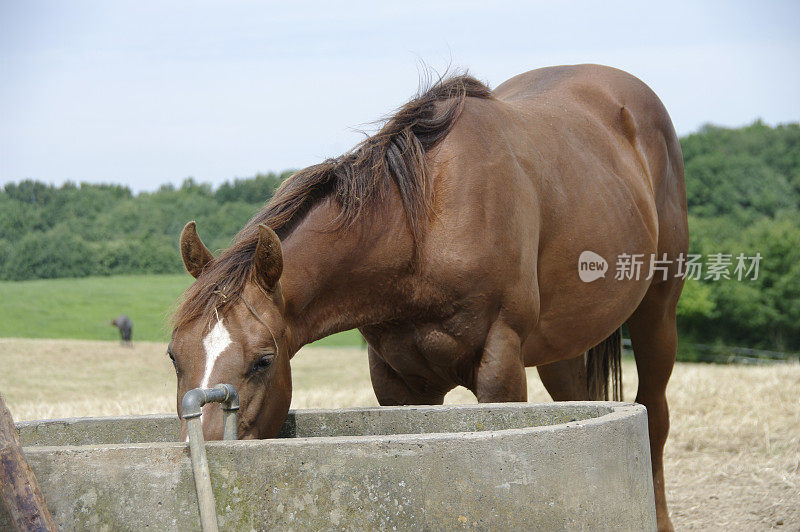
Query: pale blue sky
[(148, 92)]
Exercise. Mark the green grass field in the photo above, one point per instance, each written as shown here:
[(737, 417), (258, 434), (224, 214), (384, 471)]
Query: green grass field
[(82, 309)]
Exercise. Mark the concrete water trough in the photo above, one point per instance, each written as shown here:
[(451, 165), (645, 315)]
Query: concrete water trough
[(491, 466)]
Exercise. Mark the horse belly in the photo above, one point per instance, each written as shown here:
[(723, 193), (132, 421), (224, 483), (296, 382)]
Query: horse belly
[(580, 308)]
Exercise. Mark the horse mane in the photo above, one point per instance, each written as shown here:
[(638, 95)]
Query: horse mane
[(357, 181)]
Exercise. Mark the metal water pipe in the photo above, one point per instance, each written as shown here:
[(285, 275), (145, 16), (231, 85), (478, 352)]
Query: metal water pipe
[(191, 408)]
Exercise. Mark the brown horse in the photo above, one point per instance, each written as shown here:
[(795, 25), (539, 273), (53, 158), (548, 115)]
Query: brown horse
[(451, 239)]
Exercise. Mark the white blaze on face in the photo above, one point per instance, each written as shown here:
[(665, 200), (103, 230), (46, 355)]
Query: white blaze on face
[(214, 343)]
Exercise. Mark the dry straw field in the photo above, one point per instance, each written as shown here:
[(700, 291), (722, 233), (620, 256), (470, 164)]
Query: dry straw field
[(732, 459)]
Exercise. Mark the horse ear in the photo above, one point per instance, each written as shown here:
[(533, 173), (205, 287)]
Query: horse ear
[(268, 259), (195, 254)]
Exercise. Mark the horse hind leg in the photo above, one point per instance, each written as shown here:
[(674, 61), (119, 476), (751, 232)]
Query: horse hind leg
[(654, 338), (586, 377), (392, 390), (565, 380)]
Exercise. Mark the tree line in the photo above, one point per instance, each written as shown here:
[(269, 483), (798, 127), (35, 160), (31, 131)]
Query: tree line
[(743, 193), (77, 231)]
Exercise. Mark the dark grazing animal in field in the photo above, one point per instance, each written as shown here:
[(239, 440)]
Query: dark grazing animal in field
[(125, 326), (452, 239)]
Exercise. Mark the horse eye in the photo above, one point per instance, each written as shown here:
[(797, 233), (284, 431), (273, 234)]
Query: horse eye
[(263, 362), (171, 356)]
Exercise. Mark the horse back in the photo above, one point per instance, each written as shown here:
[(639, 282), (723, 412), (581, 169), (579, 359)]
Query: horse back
[(610, 100)]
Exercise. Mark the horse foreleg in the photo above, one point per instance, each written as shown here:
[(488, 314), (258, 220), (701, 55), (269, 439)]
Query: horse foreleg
[(654, 338), (500, 373)]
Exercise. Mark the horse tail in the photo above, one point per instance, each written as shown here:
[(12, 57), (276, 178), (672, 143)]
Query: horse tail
[(604, 361)]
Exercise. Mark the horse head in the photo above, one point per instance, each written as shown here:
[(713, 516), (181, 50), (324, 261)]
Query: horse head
[(239, 338)]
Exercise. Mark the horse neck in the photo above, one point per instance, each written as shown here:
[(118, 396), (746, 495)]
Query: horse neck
[(336, 281)]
